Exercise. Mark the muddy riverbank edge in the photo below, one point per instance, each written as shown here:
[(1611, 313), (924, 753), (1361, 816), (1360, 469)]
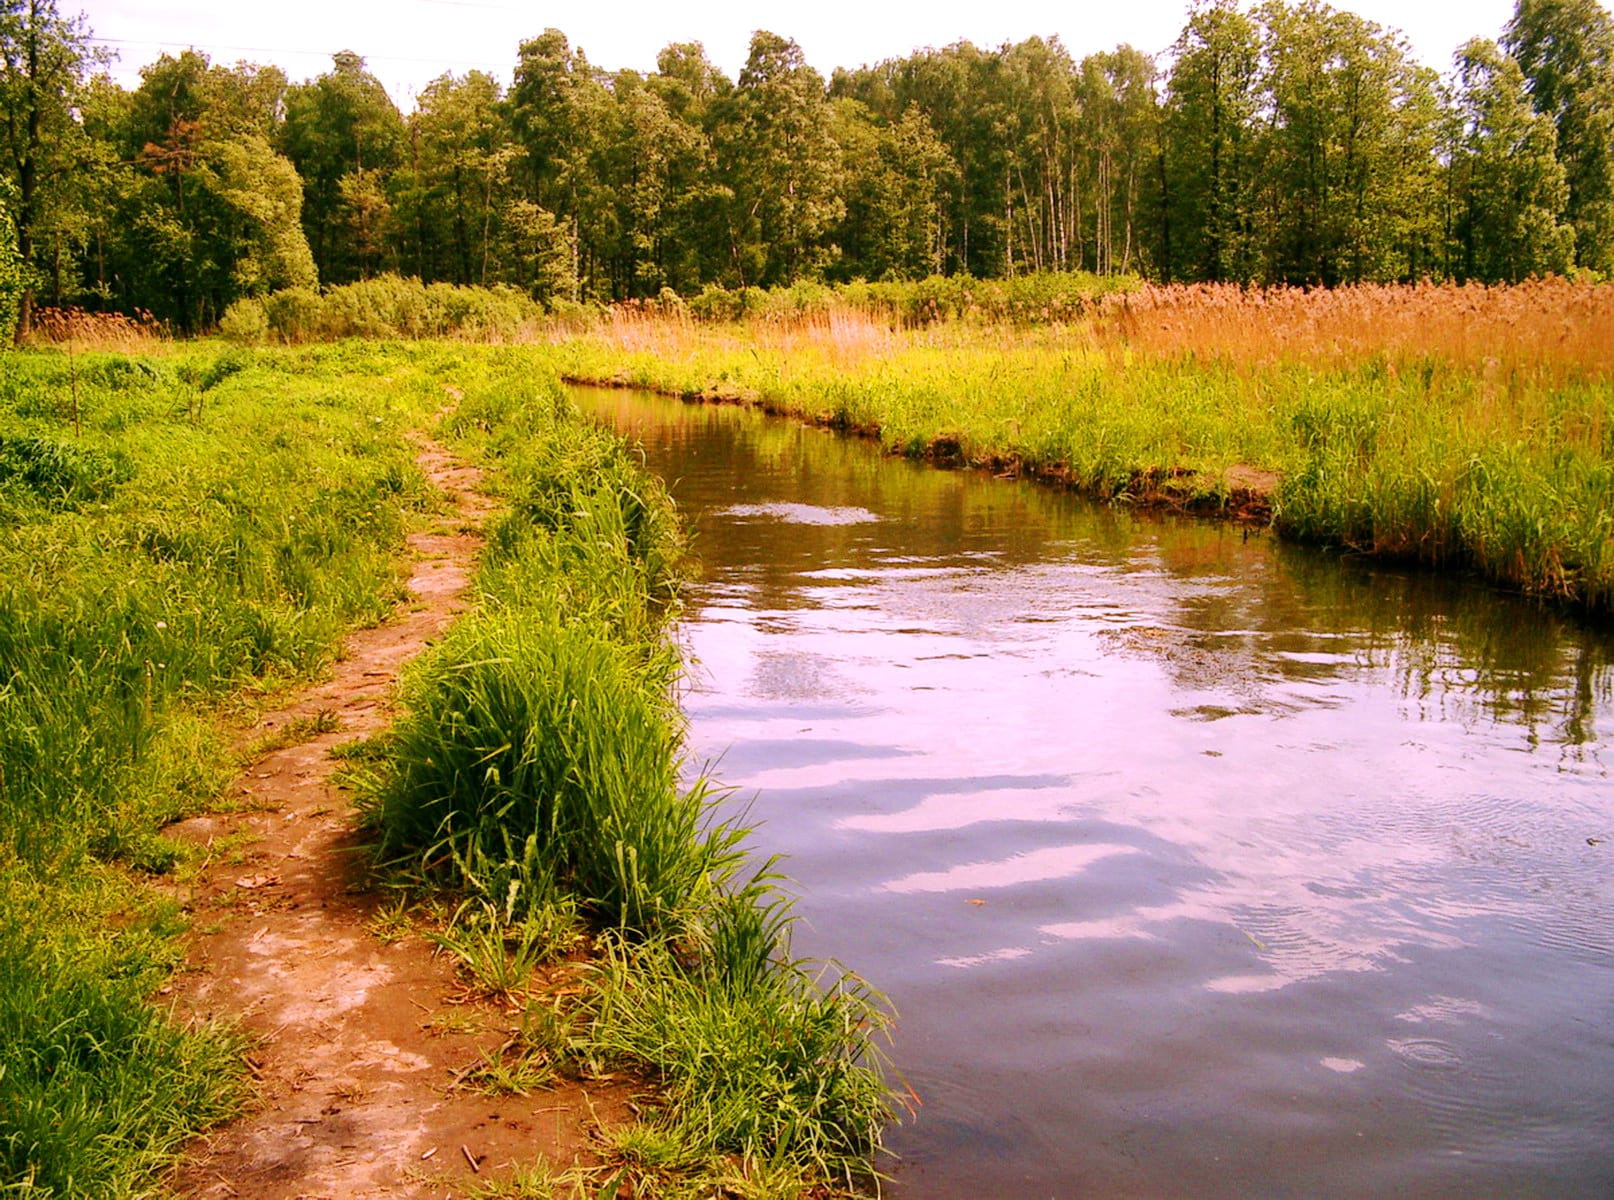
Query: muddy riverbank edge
[(1244, 495)]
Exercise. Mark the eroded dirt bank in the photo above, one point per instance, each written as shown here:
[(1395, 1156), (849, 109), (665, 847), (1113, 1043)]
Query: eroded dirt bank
[(361, 1041)]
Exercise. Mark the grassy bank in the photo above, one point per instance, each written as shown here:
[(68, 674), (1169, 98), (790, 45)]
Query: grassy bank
[(538, 775), (178, 532), (1459, 428), (188, 529)]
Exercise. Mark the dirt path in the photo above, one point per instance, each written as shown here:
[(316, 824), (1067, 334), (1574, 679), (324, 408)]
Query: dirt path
[(360, 1039)]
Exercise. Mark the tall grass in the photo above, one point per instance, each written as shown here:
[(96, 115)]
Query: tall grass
[(175, 530), (97, 1086), (538, 770), (80, 329), (186, 527), (1462, 428), (757, 1056)]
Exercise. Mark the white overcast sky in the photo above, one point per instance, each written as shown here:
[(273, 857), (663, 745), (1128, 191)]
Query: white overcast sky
[(410, 42)]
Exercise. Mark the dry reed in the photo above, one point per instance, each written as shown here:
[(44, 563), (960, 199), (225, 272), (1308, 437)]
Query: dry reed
[(79, 329)]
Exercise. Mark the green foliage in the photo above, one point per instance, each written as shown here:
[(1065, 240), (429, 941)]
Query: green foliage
[(1509, 184), (341, 131), (457, 208), (781, 164), (386, 307), (245, 322), (58, 474), (44, 58), (1565, 49), (193, 207), (755, 1056), (13, 269), (540, 750), (1286, 141), (1036, 299)]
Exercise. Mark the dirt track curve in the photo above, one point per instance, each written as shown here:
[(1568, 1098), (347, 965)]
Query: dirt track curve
[(360, 1041)]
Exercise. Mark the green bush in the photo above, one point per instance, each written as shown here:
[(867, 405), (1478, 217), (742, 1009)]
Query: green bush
[(245, 322), (295, 315), (387, 307)]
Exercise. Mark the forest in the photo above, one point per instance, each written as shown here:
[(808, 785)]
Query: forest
[(1275, 143)]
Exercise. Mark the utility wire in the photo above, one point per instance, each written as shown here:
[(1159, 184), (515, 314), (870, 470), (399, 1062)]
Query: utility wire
[(323, 53)]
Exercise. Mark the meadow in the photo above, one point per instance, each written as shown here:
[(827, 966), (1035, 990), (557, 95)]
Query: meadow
[(183, 532), (189, 530)]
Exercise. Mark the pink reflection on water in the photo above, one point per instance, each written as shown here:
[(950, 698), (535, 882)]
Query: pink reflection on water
[(1054, 862), (1007, 954), (802, 514), (956, 810)]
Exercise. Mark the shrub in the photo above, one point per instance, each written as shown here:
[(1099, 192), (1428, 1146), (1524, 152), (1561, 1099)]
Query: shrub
[(245, 322)]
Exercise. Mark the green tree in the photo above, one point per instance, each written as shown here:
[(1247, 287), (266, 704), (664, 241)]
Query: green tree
[(1211, 147), (959, 92), (559, 112), (339, 131), (458, 180), (779, 158), (1348, 171), (13, 274), (1566, 51), (206, 211), (1508, 187), (43, 59), (695, 244), (1040, 120), (650, 155), (1118, 140), (895, 179), (258, 201)]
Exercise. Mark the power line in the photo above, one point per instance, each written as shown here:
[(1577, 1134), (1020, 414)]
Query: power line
[(471, 4), (323, 53)]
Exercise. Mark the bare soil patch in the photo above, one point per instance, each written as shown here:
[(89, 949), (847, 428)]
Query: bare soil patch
[(359, 1041)]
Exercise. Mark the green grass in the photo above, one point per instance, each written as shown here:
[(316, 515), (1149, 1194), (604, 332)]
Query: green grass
[(176, 532), (757, 1056), (190, 530), (97, 1085)]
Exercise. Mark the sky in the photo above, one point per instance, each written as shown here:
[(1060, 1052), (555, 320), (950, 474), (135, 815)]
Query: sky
[(408, 43)]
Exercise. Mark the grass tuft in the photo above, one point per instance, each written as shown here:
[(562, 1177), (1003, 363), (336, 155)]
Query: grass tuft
[(537, 771)]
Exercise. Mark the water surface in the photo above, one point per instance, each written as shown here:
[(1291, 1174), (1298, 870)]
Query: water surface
[(1194, 863)]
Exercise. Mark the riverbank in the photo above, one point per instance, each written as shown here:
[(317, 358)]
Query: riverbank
[(1462, 429), (192, 532)]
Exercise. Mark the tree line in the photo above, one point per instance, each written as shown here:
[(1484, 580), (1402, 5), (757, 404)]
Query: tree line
[(1278, 142)]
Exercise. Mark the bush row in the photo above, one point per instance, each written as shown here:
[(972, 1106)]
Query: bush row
[(391, 307), (386, 307)]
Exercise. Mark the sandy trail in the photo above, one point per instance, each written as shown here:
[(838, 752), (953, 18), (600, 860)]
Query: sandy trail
[(360, 1040)]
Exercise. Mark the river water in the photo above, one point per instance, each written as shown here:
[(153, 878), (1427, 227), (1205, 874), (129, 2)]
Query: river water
[(1195, 864)]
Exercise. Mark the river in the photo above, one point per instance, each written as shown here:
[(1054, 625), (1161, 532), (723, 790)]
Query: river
[(1194, 863)]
